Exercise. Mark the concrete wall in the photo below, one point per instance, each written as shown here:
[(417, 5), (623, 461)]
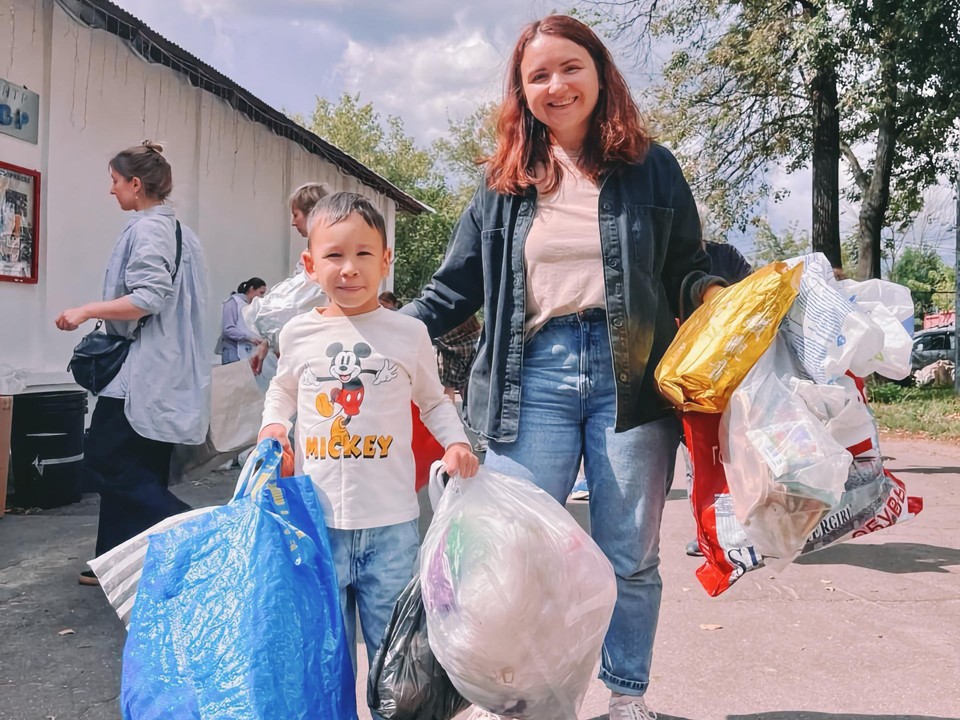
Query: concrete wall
[(231, 176)]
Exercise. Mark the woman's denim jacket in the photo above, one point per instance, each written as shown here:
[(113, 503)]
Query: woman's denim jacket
[(654, 269)]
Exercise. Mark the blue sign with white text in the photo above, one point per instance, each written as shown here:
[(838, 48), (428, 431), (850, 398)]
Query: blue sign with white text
[(19, 111)]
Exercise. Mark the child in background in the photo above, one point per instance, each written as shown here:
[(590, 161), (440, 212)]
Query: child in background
[(349, 371)]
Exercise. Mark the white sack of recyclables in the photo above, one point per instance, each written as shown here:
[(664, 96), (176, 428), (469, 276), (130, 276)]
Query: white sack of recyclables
[(517, 597), (830, 334), (294, 296)]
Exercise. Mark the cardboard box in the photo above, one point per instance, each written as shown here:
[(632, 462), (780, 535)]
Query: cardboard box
[(6, 419)]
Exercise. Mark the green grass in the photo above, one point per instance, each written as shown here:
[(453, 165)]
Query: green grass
[(927, 412)]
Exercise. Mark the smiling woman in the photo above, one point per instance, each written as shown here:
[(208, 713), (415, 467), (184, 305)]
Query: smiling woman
[(583, 247)]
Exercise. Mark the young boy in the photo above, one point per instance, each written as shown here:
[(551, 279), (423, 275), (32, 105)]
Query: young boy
[(349, 371)]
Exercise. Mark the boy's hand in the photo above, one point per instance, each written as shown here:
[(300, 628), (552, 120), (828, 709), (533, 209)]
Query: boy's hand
[(279, 432), (460, 460)]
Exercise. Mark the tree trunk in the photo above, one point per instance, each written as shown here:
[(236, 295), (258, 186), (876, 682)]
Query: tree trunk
[(876, 198), (826, 166)]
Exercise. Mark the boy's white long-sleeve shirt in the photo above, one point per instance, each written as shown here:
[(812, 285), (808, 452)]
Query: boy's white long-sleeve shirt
[(350, 381)]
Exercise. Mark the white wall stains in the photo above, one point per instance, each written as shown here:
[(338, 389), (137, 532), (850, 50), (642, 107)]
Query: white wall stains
[(232, 176)]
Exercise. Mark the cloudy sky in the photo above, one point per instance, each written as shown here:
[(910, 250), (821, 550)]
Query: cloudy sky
[(422, 60)]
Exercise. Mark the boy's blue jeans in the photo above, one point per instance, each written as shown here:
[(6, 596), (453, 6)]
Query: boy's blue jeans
[(567, 412), (373, 565)]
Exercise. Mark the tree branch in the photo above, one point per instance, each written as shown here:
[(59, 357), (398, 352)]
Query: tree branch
[(859, 176)]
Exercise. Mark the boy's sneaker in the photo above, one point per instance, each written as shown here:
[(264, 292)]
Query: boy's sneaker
[(693, 549), (89, 577), (630, 707), (481, 714)]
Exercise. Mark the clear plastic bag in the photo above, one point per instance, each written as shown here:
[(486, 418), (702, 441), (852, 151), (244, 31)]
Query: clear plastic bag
[(890, 306), (827, 333), (518, 597), (785, 470), (288, 298), (873, 499)]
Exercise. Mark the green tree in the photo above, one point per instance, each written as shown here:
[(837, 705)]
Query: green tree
[(770, 246), (930, 279), (469, 141), (755, 83)]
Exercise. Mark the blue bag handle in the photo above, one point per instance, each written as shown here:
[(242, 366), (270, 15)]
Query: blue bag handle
[(261, 467)]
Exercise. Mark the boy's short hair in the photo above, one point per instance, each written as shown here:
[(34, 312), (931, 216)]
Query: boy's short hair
[(339, 206), (308, 195)]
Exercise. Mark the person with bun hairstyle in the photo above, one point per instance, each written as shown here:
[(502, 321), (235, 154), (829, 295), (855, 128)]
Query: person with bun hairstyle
[(155, 292), (237, 342), (582, 247)]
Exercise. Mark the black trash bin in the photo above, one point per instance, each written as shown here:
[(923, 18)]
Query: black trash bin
[(46, 448)]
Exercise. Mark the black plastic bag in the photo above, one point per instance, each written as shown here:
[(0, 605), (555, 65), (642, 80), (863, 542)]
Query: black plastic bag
[(406, 682)]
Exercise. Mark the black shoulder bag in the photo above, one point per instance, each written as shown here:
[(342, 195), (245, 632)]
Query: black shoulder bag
[(99, 356)]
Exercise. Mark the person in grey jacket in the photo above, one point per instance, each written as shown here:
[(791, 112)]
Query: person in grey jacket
[(160, 397), (237, 341), (582, 247)]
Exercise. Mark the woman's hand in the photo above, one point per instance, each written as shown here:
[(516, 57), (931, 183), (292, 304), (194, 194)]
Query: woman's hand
[(711, 291), (258, 356), (73, 318), (460, 460)]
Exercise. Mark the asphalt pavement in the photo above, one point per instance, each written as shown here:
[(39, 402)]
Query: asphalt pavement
[(869, 629)]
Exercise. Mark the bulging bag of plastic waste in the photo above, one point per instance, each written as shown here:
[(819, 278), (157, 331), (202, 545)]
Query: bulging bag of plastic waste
[(785, 470), (406, 682), (518, 597), (238, 611)]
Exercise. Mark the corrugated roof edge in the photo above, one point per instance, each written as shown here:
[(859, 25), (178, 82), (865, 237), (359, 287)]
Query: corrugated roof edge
[(153, 47)]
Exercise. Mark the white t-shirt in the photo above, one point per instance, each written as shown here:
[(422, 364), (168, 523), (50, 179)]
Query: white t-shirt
[(350, 380), (562, 251)]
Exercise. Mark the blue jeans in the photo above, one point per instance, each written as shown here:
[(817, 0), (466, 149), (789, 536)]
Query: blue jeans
[(567, 412), (373, 565)]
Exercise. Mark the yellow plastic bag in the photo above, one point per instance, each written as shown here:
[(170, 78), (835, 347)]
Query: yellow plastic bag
[(717, 346)]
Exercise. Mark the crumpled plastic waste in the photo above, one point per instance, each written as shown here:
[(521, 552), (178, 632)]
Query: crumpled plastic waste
[(785, 470), (828, 334)]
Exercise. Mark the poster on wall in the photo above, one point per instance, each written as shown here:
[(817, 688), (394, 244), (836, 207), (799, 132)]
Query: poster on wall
[(19, 223)]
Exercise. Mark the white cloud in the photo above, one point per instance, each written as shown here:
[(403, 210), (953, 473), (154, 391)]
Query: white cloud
[(425, 81)]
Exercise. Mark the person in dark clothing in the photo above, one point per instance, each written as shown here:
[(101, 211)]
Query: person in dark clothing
[(727, 262)]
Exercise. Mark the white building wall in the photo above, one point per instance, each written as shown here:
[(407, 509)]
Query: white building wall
[(232, 176)]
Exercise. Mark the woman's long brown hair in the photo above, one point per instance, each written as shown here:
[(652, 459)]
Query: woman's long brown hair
[(617, 132)]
